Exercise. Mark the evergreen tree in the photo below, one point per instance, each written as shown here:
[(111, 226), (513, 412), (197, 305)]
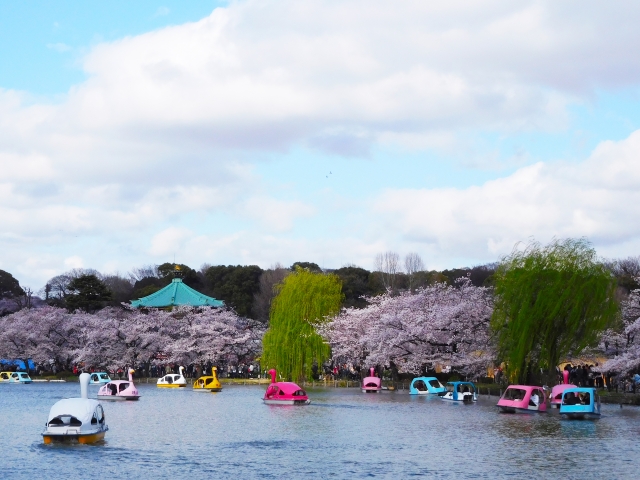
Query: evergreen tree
[(9, 286), (87, 293), (235, 285)]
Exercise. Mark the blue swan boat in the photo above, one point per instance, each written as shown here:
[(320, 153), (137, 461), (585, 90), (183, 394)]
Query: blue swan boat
[(460, 392), (580, 403), (426, 386)]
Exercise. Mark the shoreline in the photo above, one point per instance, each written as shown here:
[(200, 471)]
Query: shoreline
[(485, 390)]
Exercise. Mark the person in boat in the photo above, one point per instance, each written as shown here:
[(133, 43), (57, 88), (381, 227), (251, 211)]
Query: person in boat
[(585, 398), (114, 389), (570, 399), (535, 399)]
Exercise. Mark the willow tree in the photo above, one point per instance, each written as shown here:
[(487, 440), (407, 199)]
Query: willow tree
[(291, 344), (550, 302)]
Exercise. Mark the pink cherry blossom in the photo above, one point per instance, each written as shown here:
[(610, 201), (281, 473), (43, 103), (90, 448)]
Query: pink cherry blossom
[(437, 325)]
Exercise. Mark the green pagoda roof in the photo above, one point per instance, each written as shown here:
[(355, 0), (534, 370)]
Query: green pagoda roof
[(176, 293)]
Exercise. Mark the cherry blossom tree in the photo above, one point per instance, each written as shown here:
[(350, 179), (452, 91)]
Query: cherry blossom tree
[(624, 342), (213, 335), (47, 334), (115, 337), (438, 324)]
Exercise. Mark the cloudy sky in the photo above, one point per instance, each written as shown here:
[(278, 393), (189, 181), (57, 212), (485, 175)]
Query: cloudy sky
[(255, 132)]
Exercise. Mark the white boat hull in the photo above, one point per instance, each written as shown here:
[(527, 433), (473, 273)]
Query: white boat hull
[(461, 399)]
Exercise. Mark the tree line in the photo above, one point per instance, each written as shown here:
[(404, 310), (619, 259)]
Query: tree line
[(248, 289), (534, 307)]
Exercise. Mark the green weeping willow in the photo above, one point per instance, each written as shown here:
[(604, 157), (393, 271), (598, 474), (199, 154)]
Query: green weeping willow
[(291, 344), (550, 302)]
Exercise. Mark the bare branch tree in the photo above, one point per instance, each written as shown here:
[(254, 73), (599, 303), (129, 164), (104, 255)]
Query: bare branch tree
[(388, 266), (413, 264), (145, 271)]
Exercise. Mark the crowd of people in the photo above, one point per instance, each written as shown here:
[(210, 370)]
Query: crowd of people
[(585, 375)]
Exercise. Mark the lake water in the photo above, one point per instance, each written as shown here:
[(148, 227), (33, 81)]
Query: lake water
[(342, 434)]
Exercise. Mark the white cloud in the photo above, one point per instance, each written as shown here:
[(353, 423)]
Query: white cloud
[(169, 241), (276, 215), (168, 124), (73, 262), (594, 198)]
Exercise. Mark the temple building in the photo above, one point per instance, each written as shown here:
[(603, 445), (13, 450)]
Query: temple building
[(177, 293)]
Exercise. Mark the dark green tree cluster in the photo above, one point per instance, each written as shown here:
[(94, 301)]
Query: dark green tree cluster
[(236, 285), (357, 283), (87, 293), (9, 286), (550, 302)]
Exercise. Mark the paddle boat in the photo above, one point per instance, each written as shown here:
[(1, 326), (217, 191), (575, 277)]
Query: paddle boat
[(284, 393), (208, 383), (580, 403), (74, 420), (371, 384), (119, 389), (99, 378), (523, 399), (426, 386), (556, 393), (460, 392), (15, 377), (173, 380)]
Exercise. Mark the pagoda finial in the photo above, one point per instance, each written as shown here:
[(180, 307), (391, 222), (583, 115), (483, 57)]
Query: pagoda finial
[(177, 271)]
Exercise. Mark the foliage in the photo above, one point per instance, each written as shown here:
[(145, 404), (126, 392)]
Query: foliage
[(189, 276), (121, 288), (550, 302), (9, 286), (87, 293), (235, 285), (291, 344), (356, 284), (312, 267), (627, 273), (266, 291), (438, 324), (480, 276)]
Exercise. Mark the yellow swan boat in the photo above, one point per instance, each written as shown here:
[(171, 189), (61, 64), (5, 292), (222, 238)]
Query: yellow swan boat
[(208, 383)]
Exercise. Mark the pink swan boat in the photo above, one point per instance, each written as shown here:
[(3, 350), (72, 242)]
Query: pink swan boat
[(284, 393), (371, 384), (119, 389), (523, 399), (556, 393)]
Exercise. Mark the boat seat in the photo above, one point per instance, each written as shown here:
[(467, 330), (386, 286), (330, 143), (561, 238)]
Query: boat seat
[(74, 422)]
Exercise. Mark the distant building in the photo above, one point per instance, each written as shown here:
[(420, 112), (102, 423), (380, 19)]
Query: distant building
[(176, 294)]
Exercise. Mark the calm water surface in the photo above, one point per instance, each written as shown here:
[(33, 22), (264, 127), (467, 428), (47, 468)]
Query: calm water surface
[(342, 434)]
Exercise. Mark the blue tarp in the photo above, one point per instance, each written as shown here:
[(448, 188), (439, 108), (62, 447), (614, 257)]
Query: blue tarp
[(18, 363)]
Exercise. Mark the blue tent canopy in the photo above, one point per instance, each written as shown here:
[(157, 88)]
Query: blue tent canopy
[(19, 364)]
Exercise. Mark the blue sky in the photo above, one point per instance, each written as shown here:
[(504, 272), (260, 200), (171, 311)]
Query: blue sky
[(262, 132)]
